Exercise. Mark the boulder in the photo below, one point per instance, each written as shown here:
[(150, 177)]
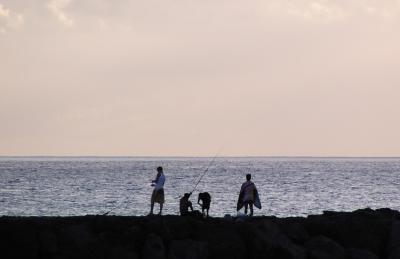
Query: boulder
[(360, 254), (78, 236), (188, 249), (394, 238), (395, 253), (47, 242), (321, 247), (120, 252), (18, 241), (295, 232), (267, 239), (223, 241), (153, 247)]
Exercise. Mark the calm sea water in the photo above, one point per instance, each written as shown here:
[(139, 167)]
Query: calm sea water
[(287, 186)]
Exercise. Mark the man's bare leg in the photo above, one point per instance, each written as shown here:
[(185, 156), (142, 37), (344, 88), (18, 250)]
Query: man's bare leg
[(151, 208), (161, 207)]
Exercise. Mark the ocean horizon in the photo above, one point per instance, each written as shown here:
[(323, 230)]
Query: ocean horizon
[(288, 186)]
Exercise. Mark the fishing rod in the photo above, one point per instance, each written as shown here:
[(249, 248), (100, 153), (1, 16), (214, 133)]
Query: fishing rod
[(205, 171), (201, 177)]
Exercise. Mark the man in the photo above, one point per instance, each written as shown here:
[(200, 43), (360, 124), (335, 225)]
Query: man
[(158, 192), (247, 195), (185, 204), (205, 199)]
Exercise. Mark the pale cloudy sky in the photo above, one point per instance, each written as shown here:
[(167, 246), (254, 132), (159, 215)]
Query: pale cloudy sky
[(186, 77)]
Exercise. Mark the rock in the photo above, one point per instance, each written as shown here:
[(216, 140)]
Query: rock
[(48, 242), (78, 236), (267, 239), (321, 247), (360, 254), (188, 249), (80, 242), (362, 229), (120, 252), (363, 234), (153, 247), (18, 241), (295, 232), (228, 217), (223, 241), (395, 253), (176, 228), (394, 238)]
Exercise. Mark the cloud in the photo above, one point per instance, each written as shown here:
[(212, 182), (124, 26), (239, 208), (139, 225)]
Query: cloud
[(334, 10), (9, 19), (57, 8), (322, 10)]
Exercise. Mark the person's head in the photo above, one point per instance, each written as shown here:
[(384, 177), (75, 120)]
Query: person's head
[(160, 169), (248, 177), (186, 195)]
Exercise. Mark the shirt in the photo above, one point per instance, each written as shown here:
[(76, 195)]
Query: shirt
[(160, 182)]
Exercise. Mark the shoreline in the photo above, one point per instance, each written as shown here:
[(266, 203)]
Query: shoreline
[(361, 234)]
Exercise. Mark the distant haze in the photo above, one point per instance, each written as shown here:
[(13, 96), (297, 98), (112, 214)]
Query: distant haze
[(187, 77)]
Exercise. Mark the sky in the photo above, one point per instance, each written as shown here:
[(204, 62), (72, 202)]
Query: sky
[(190, 77)]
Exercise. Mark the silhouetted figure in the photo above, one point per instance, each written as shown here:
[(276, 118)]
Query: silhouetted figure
[(158, 192), (205, 199), (248, 194), (185, 204)]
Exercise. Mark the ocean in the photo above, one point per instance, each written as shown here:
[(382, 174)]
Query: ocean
[(70, 186)]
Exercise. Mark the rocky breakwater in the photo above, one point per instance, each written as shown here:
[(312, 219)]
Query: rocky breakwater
[(362, 234)]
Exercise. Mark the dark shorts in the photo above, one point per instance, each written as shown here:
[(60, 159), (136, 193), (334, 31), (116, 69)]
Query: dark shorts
[(158, 196)]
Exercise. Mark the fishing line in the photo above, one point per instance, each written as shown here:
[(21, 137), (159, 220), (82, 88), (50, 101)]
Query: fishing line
[(197, 183), (118, 206), (205, 171)]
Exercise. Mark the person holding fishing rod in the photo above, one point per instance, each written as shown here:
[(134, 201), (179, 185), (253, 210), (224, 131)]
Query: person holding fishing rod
[(185, 204), (158, 192)]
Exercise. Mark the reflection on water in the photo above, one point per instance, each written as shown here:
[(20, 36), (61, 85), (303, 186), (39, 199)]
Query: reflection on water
[(287, 186)]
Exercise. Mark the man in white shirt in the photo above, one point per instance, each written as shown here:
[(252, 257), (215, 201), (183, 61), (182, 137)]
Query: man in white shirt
[(158, 192)]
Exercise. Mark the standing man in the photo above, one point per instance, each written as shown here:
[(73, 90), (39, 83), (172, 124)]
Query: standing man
[(158, 192), (248, 196)]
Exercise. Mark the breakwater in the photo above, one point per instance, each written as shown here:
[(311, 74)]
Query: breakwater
[(362, 234)]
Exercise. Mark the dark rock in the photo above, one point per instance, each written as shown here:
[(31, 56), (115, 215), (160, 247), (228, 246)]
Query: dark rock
[(48, 242), (153, 247), (120, 252), (18, 240), (78, 235), (360, 254), (367, 234), (363, 229), (267, 239), (188, 249), (395, 253), (223, 241), (80, 242), (321, 247), (295, 232), (394, 238)]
